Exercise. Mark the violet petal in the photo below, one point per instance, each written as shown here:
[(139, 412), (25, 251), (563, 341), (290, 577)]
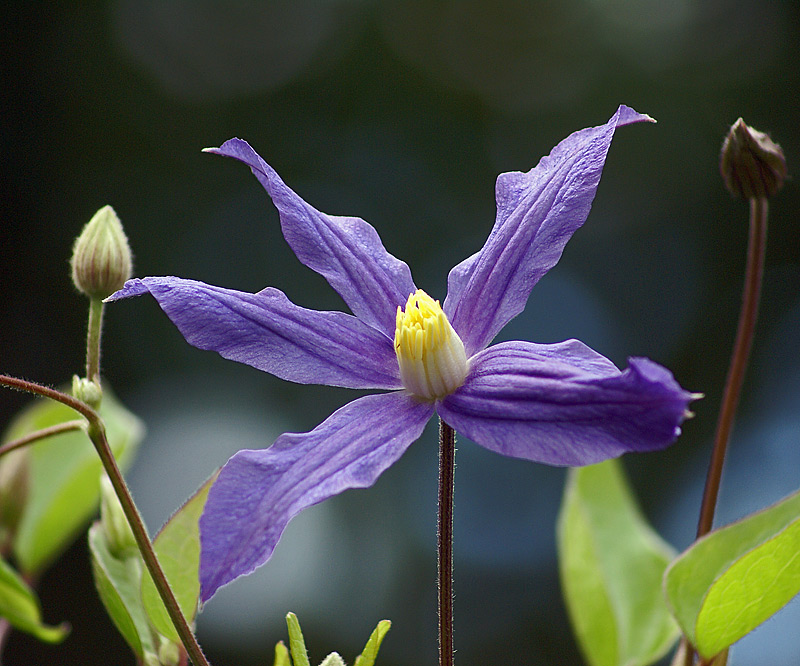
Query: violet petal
[(258, 492), (565, 404), (537, 213), (346, 251), (267, 331)]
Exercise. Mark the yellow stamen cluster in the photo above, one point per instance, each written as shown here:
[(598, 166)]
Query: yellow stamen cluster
[(432, 360)]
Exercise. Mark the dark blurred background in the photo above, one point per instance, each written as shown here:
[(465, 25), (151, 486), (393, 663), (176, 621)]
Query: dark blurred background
[(402, 113)]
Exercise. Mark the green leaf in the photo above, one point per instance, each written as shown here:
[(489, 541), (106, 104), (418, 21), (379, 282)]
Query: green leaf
[(20, 606), (734, 578), (118, 582), (178, 549), (281, 655), (297, 644), (611, 564), (370, 653), (64, 481)]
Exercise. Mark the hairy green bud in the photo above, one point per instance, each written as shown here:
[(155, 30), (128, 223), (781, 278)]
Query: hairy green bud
[(751, 164), (87, 391), (101, 258), (117, 531), (169, 653)]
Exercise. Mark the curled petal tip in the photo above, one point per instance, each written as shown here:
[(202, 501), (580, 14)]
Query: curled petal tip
[(221, 150), (628, 115), (132, 287)]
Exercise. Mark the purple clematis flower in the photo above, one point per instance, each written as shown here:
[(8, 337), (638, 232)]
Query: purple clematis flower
[(559, 404)]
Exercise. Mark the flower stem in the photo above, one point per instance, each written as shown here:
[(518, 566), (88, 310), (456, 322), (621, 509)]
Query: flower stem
[(447, 468), (741, 354), (748, 315), (32, 437), (97, 433), (93, 334)]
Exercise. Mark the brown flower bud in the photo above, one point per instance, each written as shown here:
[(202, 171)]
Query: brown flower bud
[(751, 164)]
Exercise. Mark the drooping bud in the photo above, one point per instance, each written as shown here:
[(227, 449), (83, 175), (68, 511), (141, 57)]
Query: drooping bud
[(752, 164), (116, 529), (101, 258)]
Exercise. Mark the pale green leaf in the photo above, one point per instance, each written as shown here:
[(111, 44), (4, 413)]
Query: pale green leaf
[(178, 549), (118, 582), (20, 606), (611, 564), (736, 577), (64, 477), (297, 644), (370, 652), (281, 655)]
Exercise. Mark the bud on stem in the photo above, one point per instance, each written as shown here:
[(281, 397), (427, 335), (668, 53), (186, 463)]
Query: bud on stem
[(101, 257), (101, 262), (752, 165), (117, 531)]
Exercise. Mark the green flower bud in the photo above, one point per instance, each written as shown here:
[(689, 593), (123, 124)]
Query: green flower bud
[(752, 164), (87, 391), (169, 653), (151, 659), (101, 258), (116, 529), (333, 659)]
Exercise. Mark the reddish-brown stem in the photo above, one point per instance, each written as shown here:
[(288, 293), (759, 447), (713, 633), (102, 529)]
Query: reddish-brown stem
[(32, 437), (97, 434), (447, 466), (739, 359), (756, 249)]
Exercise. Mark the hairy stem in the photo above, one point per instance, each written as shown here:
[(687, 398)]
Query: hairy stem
[(93, 334), (32, 437), (447, 465), (739, 359), (756, 249), (97, 433)]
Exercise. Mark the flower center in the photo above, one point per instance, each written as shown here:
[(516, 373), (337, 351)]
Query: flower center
[(432, 360)]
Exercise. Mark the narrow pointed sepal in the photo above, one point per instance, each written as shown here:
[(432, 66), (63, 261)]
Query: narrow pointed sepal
[(537, 213), (258, 492), (565, 404)]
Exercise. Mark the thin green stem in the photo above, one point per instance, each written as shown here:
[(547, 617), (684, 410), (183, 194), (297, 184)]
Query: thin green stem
[(94, 331), (97, 434), (739, 359), (32, 437), (447, 468)]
